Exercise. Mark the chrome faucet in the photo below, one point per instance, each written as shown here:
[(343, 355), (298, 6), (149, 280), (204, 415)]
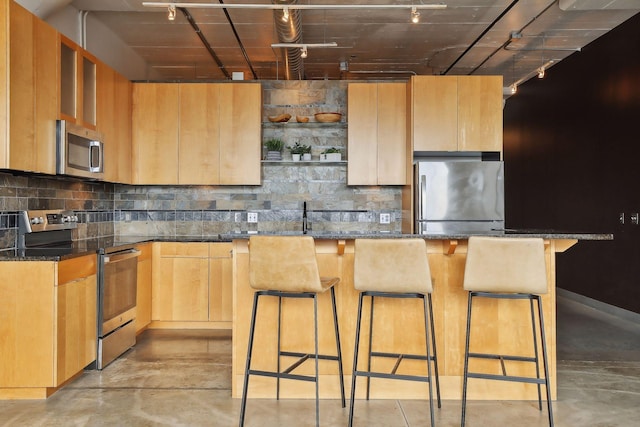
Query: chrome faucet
[(305, 224)]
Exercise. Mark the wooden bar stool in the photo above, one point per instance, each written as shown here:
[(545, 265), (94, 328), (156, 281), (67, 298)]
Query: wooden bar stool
[(507, 268), (286, 267), (393, 268)]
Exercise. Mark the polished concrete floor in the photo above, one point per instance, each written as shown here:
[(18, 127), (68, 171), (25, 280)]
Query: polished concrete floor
[(182, 378)]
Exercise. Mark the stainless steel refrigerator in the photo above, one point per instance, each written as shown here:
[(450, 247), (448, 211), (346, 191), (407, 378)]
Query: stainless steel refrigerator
[(458, 196)]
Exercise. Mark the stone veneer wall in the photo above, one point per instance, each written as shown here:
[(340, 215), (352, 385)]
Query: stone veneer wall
[(200, 211)]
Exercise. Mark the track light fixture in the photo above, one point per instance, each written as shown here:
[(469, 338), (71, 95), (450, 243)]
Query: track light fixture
[(285, 14), (514, 89), (303, 52), (541, 73), (415, 15), (172, 13)]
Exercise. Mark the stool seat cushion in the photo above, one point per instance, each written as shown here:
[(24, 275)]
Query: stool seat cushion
[(505, 265), (285, 263), (392, 265)]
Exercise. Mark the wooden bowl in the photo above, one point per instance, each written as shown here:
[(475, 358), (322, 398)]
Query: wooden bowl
[(282, 118), (302, 119), (328, 117)]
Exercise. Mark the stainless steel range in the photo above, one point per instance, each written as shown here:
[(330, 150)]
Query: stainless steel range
[(46, 232), (117, 287)]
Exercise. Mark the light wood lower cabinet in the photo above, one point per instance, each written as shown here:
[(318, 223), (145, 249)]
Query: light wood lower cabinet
[(143, 294), (47, 324), (191, 286)]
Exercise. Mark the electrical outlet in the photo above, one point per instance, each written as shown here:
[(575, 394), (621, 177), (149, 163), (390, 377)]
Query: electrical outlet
[(252, 217), (385, 218), (634, 218), (621, 218), (238, 217)]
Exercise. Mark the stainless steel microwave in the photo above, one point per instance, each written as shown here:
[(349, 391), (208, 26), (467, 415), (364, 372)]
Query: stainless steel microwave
[(80, 151)]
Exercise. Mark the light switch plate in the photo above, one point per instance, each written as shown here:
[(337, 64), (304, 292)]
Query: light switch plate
[(252, 217)]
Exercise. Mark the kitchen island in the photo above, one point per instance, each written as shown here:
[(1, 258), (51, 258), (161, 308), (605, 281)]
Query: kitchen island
[(397, 323)]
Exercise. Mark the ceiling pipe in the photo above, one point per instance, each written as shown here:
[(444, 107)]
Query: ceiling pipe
[(242, 49), (290, 32)]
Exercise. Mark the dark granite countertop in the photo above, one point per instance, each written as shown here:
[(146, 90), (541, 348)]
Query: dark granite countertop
[(92, 246)]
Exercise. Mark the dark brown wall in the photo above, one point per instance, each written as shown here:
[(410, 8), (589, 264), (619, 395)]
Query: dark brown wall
[(572, 162)]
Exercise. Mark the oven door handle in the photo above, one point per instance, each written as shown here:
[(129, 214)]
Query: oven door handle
[(121, 256)]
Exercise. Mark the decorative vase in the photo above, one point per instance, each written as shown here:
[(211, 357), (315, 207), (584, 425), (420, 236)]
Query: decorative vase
[(295, 157)]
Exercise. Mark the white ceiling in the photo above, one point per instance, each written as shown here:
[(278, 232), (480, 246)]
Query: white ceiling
[(468, 37)]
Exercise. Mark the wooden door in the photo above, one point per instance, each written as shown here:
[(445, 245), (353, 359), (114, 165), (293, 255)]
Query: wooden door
[(362, 134), (199, 152), (480, 113), (22, 89), (435, 113), (105, 119), (240, 133), (143, 293), (122, 118), (76, 327), (181, 287), (220, 283), (392, 134), (155, 133)]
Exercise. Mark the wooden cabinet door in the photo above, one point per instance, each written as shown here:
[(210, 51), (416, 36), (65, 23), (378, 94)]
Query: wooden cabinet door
[(22, 82), (480, 113), (434, 116), (143, 293), (392, 134), (34, 92), (105, 119), (181, 287), (362, 134), (76, 326), (122, 119), (220, 283), (199, 153), (240, 133), (155, 133)]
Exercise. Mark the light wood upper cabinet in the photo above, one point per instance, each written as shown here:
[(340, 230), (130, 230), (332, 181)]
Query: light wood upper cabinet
[(113, 121), (240, 133), (434, 115), (33, 92), (377, 134), (456, 113), (199, 154), (480, 113), (211, 133), (78, 84), (155, 133)]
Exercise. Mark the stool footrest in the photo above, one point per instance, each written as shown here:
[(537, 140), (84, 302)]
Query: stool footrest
[(282, 375), (401, 355), (309, 355), (502, 357), (506, 378), (424, 379)]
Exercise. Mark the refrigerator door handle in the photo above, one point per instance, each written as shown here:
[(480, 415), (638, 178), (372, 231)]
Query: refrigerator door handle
[(423, 201)]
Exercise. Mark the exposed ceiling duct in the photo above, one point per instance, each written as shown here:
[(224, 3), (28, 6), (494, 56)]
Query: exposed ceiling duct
[(289, 30)]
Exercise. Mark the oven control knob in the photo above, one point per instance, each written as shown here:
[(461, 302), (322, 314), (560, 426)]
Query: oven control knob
[(37, 220), (66, 218)]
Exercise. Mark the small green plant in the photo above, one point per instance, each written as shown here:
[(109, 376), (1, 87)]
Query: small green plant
[(331, 150), (274, 144), (298, 148)]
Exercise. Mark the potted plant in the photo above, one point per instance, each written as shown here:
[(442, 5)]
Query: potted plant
[(331, 155), (298, 150), (274, 148)]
